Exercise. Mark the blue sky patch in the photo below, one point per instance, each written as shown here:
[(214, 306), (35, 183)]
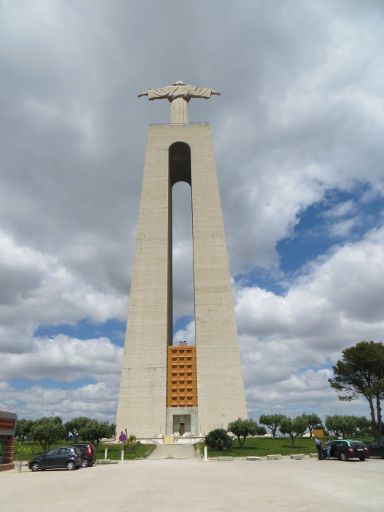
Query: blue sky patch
[(85, 330), (340, 217), (21, 384)]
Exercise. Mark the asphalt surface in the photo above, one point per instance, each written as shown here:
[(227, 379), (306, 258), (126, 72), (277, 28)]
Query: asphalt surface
[(172, 451), (194, 485)]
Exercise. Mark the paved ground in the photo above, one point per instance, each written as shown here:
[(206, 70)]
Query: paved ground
[(172, 451), (193, 485)]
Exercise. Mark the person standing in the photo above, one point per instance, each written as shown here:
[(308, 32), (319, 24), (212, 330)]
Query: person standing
[(318, 448), (328, 449)]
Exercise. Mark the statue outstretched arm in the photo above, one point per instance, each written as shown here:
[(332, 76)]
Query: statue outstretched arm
[(215, 92), (144, 93)]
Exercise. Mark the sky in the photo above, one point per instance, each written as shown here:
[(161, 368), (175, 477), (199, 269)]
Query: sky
[(298, 138)]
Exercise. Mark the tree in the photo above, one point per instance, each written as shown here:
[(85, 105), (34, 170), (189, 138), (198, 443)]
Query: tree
[(341, 426), (94, 430), (312, 421), (361, 373), (242, 429), (76, 423), (48, 430), (344, 426), (272, 421), (363, 426), (293, 427), (218, 439), (23, 429)]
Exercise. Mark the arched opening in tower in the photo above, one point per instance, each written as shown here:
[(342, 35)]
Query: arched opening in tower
[(182, 316)]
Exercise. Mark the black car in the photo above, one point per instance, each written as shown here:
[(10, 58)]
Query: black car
[(68, 457), (88, 454), (344, 449), (376, 449)]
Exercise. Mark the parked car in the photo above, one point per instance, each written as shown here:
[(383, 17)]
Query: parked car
[(68, 457), (344, 449), (88, 454), (376, 449)]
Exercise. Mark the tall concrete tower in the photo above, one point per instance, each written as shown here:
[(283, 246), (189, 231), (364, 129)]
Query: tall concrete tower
[(169, 389)]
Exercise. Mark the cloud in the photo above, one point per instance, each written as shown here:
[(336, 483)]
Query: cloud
[(301, 113), (37, 289), (65, 359), (289, 342)]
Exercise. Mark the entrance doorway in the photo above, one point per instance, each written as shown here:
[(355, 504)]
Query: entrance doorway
[(181, 424)]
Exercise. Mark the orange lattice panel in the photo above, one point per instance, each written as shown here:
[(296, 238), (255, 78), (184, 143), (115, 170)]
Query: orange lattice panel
[(181, 376)]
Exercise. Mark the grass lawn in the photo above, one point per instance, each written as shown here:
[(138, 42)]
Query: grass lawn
[(261, 446), (114, 451), (29, 450)]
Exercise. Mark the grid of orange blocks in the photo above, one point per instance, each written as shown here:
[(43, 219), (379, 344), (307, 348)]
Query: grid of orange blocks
[(181, 376)]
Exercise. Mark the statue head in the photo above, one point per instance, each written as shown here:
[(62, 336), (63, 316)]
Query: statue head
[(179, 82)]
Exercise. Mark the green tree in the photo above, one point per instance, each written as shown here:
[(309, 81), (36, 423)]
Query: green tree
[(272, 421), (94, 431), (363, 425), (341, 426), (76, 423), (218, 439), (361, 373), (293, 427), (48, 430), (23, 429), (312, 421), (242, 428)]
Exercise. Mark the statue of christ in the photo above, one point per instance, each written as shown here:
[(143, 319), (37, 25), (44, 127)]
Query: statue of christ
[(179, 95)]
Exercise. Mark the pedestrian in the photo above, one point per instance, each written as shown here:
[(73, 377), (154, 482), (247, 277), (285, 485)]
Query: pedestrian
[(328, 449), (318, 448)]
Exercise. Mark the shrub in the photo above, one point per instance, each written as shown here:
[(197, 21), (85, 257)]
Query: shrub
[(218, 439)]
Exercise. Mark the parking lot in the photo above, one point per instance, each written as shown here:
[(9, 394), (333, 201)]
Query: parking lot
[(194, 485)]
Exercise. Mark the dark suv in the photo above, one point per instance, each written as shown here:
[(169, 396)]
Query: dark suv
[(59, 458), (88, 454), (344, 449)]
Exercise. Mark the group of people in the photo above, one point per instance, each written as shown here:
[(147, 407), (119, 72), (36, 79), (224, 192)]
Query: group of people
[(323, 452)]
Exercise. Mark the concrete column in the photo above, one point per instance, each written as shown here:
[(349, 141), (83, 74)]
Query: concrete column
[(142, 399)]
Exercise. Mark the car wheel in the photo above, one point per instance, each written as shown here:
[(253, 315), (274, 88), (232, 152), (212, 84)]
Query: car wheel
[(35, 466), (362, 458), (343, 457), (84, 463), (71, 465)]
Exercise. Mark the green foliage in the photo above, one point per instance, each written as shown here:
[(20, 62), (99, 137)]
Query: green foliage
[(94, 430), (262, 446), (345, 426), (218, 439), (47, 430), (361, 373), (76, 423), (130, 444), (23, 429), (293, 427), (312, 421), (21, 451), (261, 431), (272, 421), (140, 451), (242, 428), (363, 426)]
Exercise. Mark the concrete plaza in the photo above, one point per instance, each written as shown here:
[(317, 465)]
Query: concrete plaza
[(194, 485)]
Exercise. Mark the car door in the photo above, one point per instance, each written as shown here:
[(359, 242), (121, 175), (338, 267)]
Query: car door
[(62, 458), (338, 448), (50, 459)]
